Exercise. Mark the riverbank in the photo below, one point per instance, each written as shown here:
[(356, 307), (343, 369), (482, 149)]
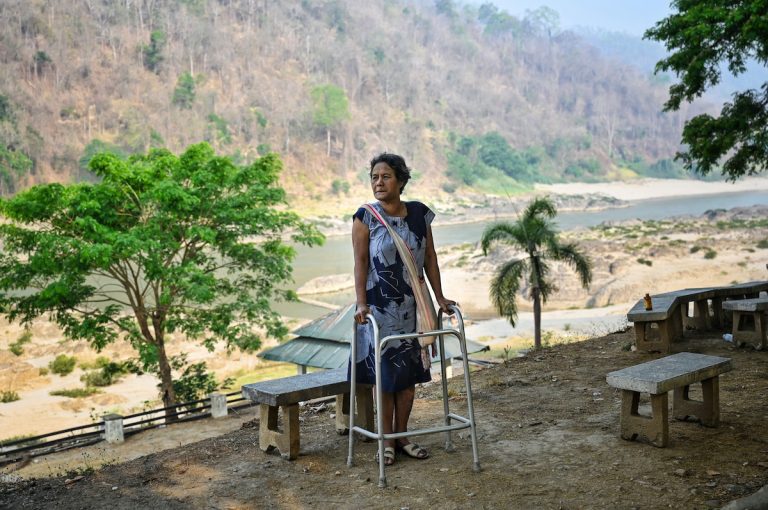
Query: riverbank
[(646, 189), (469, 207)]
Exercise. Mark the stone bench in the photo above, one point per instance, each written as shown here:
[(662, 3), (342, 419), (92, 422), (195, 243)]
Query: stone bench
[(676, 372), (286, 393), (743, 310), (671, 318)]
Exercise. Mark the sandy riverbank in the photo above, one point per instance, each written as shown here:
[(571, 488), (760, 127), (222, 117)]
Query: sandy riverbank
[(645, 189)]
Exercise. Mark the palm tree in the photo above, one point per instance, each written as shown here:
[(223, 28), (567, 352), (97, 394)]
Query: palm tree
[(534, 233)]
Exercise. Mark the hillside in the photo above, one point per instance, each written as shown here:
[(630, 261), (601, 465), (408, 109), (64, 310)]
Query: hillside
[(470, 95)]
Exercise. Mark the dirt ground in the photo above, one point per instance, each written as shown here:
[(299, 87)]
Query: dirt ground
[(548, 438)]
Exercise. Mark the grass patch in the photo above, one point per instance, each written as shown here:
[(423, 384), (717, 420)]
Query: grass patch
[(17, 347), (20, 437), (9, 396), (270, 370), (75, 392)]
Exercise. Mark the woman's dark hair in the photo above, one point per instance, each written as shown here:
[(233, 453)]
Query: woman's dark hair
[(396, 163)]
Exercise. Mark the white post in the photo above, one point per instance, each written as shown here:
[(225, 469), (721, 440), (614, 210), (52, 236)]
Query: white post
[(218, 405), (113, 428)]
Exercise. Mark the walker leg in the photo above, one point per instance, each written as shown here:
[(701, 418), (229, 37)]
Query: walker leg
[(470, 405)]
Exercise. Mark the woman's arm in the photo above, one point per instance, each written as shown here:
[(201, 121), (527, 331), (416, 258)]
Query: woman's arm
[(360, 240), (432, 269)]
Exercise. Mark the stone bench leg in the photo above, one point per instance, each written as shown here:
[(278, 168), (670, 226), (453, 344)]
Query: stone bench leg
[(654, 427), (701, 319), (364, 409), (718, 317), (707, 410), (747, 335), (271, 437), (662, 344)]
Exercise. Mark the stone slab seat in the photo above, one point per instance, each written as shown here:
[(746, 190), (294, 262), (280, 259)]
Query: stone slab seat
[(670, 313), (286, 393), (656, 378), (742, 310)]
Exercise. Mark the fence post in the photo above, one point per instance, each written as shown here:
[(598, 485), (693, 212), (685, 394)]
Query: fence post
[(113, 428), (218, 405)]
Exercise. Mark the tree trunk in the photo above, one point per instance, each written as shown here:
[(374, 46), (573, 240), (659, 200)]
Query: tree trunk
[(328, 142), (536, 319), (166, 381)]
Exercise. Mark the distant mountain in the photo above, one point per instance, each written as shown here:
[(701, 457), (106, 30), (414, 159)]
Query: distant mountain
[(472, 96), (644, 54)]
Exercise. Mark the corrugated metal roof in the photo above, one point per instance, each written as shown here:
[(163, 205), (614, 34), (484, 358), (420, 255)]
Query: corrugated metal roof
[(324, 342)]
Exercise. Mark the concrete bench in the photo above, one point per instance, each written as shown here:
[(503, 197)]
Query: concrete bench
[(671, 318), (677, 373), (286, 393), (744, 310)]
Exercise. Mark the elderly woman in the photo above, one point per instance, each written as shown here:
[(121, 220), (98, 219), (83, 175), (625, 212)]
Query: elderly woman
[(382, 287)]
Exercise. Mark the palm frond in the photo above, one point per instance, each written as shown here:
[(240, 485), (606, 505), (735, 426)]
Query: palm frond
[(504, 288), (571, 254), (540, 207), (505, 232)]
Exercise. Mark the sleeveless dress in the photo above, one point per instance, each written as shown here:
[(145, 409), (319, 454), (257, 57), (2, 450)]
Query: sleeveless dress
[(390, 297)]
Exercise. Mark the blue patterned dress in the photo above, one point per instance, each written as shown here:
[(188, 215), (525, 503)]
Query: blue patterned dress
[(390, 298)]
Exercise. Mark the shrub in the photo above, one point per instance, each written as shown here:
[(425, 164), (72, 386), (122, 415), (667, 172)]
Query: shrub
[(762, 244), (339, 186), (43, 371), (17, 347), (9, 396), (645, 261), (695, 248), (75, 392), (195, 382), (109, 373), (710, 254), (63, 364)]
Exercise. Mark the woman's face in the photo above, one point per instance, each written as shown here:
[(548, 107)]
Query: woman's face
[(384, 183)]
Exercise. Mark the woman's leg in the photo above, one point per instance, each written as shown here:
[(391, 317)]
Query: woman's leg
[(387, 414), (403, 407)]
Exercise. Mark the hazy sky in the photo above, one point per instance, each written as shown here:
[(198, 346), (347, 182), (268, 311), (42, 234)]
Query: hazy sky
[(630, 16)]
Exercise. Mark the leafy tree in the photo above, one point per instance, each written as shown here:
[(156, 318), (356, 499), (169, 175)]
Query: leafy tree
[(95, 147), (189, 244), (330, 108), (184, 93), (153, 55), (534, 234), (700, 36), (495, 151)]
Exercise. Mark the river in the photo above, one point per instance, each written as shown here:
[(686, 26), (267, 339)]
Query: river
[(335, 256)]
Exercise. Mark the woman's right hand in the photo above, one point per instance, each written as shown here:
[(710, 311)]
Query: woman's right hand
[(361, 314)]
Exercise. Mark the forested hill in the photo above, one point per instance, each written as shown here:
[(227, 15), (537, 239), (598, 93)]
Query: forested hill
[(469, 94)]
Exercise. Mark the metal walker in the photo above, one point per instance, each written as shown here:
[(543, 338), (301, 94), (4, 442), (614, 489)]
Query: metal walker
[(463, 422)]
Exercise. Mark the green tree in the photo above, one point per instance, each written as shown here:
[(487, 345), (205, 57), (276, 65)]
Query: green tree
[(189, 244), (153, 53), (184, 93), (701, 36), (533, 233), (330, 108)]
